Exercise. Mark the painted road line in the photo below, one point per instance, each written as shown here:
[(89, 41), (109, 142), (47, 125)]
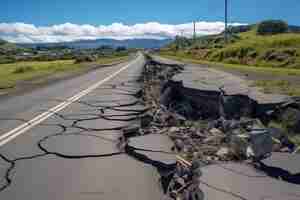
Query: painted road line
[(12, 134)]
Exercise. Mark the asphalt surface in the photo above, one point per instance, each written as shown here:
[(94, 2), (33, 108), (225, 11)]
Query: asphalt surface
[(207, 78), (280, 175), (73, 154)]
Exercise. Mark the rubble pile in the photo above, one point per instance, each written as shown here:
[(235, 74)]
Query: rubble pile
[(209, 126)]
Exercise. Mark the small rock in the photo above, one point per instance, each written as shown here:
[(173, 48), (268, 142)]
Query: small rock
[(223, 151), (238, 145), (146, 120), (131, 131), (174, 129), (276, 132), (215, 131), (197, 155), (261, 142), (179, 180), (199, 134), (179, 144), (276, 147), (291, 118), (209, 158), (285, 150), (188, 149), (193, 129), (216, 139)]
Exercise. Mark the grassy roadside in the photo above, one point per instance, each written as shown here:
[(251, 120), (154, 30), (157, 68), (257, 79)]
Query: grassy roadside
[(11, 74), (239, 67), (271, 80), (294, 137)]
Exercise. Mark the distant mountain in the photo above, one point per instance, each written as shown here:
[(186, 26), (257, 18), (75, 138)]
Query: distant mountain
[(89, 44), (294, 29)]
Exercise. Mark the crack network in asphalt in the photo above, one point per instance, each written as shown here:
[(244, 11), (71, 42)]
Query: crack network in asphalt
[(125, 114)]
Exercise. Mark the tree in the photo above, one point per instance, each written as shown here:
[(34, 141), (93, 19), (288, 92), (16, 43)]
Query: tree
[(270, 27), (121, 48)]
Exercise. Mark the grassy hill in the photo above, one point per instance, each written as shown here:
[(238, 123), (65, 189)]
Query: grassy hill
[(245, 47), (6, 46), (270, 61), (8, 51)]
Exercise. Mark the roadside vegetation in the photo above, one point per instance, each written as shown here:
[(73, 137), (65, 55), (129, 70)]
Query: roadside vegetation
[(293, 136), (269, 48), (13, 73)]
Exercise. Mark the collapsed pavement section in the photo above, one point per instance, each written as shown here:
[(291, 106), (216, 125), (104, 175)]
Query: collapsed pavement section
[(212, 128)]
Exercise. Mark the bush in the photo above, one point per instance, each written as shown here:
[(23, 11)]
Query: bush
[(272, 27), (7, 59), (232, 61), (239, 29), (44, 58), (23, 69), (121, 48), (85, 58), (2, 42)]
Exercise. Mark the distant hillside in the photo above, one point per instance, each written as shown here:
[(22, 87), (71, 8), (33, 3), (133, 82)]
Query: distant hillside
[(245, 46), (90, 44), (7, 46), (8, 51)]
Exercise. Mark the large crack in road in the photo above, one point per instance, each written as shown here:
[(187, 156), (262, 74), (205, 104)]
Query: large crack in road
[(140, 109), (119, 105)]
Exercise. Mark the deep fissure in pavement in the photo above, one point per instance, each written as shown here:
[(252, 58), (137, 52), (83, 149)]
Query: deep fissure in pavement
[(158, 91)]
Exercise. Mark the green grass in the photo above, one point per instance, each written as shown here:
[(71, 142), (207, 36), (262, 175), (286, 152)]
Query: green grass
[(248, 49), (11, 74), (251, 39), (294, 137)]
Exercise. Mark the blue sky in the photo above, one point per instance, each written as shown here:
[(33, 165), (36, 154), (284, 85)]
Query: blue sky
[(97, 12), (48, 13)]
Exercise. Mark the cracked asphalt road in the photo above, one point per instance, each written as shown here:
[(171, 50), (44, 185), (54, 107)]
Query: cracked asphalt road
[(73, 154), (208, 78)]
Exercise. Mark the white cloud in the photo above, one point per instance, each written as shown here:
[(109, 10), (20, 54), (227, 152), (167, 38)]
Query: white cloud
[(29, 33)]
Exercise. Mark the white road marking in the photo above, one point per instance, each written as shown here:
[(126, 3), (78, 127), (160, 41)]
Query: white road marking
[(7, 137)]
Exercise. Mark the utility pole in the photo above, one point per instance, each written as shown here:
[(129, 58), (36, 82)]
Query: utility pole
[(226, 22), (194, 36), (182, 33)]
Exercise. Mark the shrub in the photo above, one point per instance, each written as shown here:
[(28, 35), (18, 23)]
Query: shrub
[(121, 48), (232, 61), (7, 59), (85, 58), (23, 69), (239, 29), (44, 58), (270, 27), (2, 42)]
